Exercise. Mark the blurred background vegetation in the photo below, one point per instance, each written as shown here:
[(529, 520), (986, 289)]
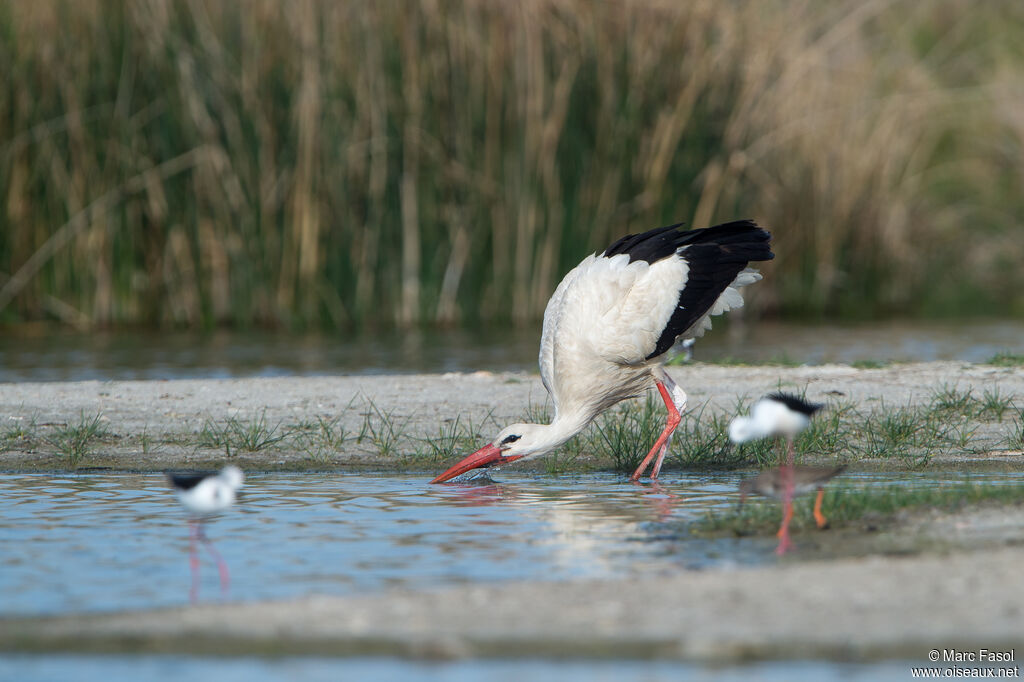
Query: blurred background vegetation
[(319, 164)]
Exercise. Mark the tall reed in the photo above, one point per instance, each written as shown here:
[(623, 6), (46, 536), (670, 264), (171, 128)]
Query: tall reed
[(313, 163)]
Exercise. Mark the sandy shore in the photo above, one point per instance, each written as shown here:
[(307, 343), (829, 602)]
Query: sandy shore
[(155, 424)]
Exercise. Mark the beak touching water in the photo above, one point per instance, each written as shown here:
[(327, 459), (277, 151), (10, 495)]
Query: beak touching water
[(487, 456)]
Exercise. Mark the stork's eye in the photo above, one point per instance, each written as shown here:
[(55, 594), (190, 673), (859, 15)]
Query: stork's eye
[(510, 439)]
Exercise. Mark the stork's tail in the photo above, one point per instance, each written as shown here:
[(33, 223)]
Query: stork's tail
[(740, 241)]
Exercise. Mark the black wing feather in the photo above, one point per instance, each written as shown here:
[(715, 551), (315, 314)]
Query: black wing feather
[(650, 246), (188, 481), (715, 256), (796, 403)]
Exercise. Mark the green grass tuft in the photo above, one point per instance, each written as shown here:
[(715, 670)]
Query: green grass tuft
[(21, 433), (870, 364), (993, 404), (76, 441), (383, 430), (625, 435), (951, 400), (1015, 438), (446, 445), (318, 438), (235, 434), (1006, 359)]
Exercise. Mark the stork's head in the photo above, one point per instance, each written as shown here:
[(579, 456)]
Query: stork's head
[(514, 442)]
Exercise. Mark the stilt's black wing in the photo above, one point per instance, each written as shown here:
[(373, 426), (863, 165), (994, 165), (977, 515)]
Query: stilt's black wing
[(188, 481)]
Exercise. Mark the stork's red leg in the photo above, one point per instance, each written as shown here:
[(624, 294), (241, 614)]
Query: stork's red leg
[(661, 444)]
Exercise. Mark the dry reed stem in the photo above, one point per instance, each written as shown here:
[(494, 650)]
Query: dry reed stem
[(379, 163)]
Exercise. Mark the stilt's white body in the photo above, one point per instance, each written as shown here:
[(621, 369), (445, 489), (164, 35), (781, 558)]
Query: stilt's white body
[(768, 418), (213, 494)]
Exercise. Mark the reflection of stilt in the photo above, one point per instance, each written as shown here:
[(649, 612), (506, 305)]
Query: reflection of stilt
[(193, 559), (784, 542), (819, 518), (785, 483), (786, 473), (197, 534)]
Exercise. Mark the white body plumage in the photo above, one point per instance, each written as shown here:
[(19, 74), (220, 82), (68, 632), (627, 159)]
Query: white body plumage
[(613, 318), (207, 495), (602, 324), (768, 417)]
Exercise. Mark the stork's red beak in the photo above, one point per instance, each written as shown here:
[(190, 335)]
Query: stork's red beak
[(487, 456)]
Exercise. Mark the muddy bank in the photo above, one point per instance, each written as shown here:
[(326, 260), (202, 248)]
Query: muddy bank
[(390, 421)]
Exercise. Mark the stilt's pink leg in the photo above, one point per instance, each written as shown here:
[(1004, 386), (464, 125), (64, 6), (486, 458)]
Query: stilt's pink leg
[(193, 560), (660, 445), (222, 566)]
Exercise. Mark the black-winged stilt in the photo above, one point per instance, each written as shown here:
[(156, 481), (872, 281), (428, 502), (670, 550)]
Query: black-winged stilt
[(613, 319), (204, 495), (777, 414)]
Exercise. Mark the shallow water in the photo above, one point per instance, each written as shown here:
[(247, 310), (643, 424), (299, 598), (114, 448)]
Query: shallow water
[(49, 356), (97, 542), (110, 541)]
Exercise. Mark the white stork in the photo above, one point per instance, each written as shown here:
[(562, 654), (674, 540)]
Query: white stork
[(613, 318)]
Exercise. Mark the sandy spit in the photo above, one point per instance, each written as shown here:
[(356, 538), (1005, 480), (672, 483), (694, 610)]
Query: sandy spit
[(172, 413)]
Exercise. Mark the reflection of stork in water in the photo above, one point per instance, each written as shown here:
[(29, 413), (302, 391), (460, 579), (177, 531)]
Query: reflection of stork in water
[(204, 495), (660, 500), (611, 322), (778, 414)]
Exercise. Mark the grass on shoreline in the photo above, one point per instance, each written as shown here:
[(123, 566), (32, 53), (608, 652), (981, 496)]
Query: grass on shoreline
[(74, 442), (1006, 359), (846, 506), (952, 421)]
